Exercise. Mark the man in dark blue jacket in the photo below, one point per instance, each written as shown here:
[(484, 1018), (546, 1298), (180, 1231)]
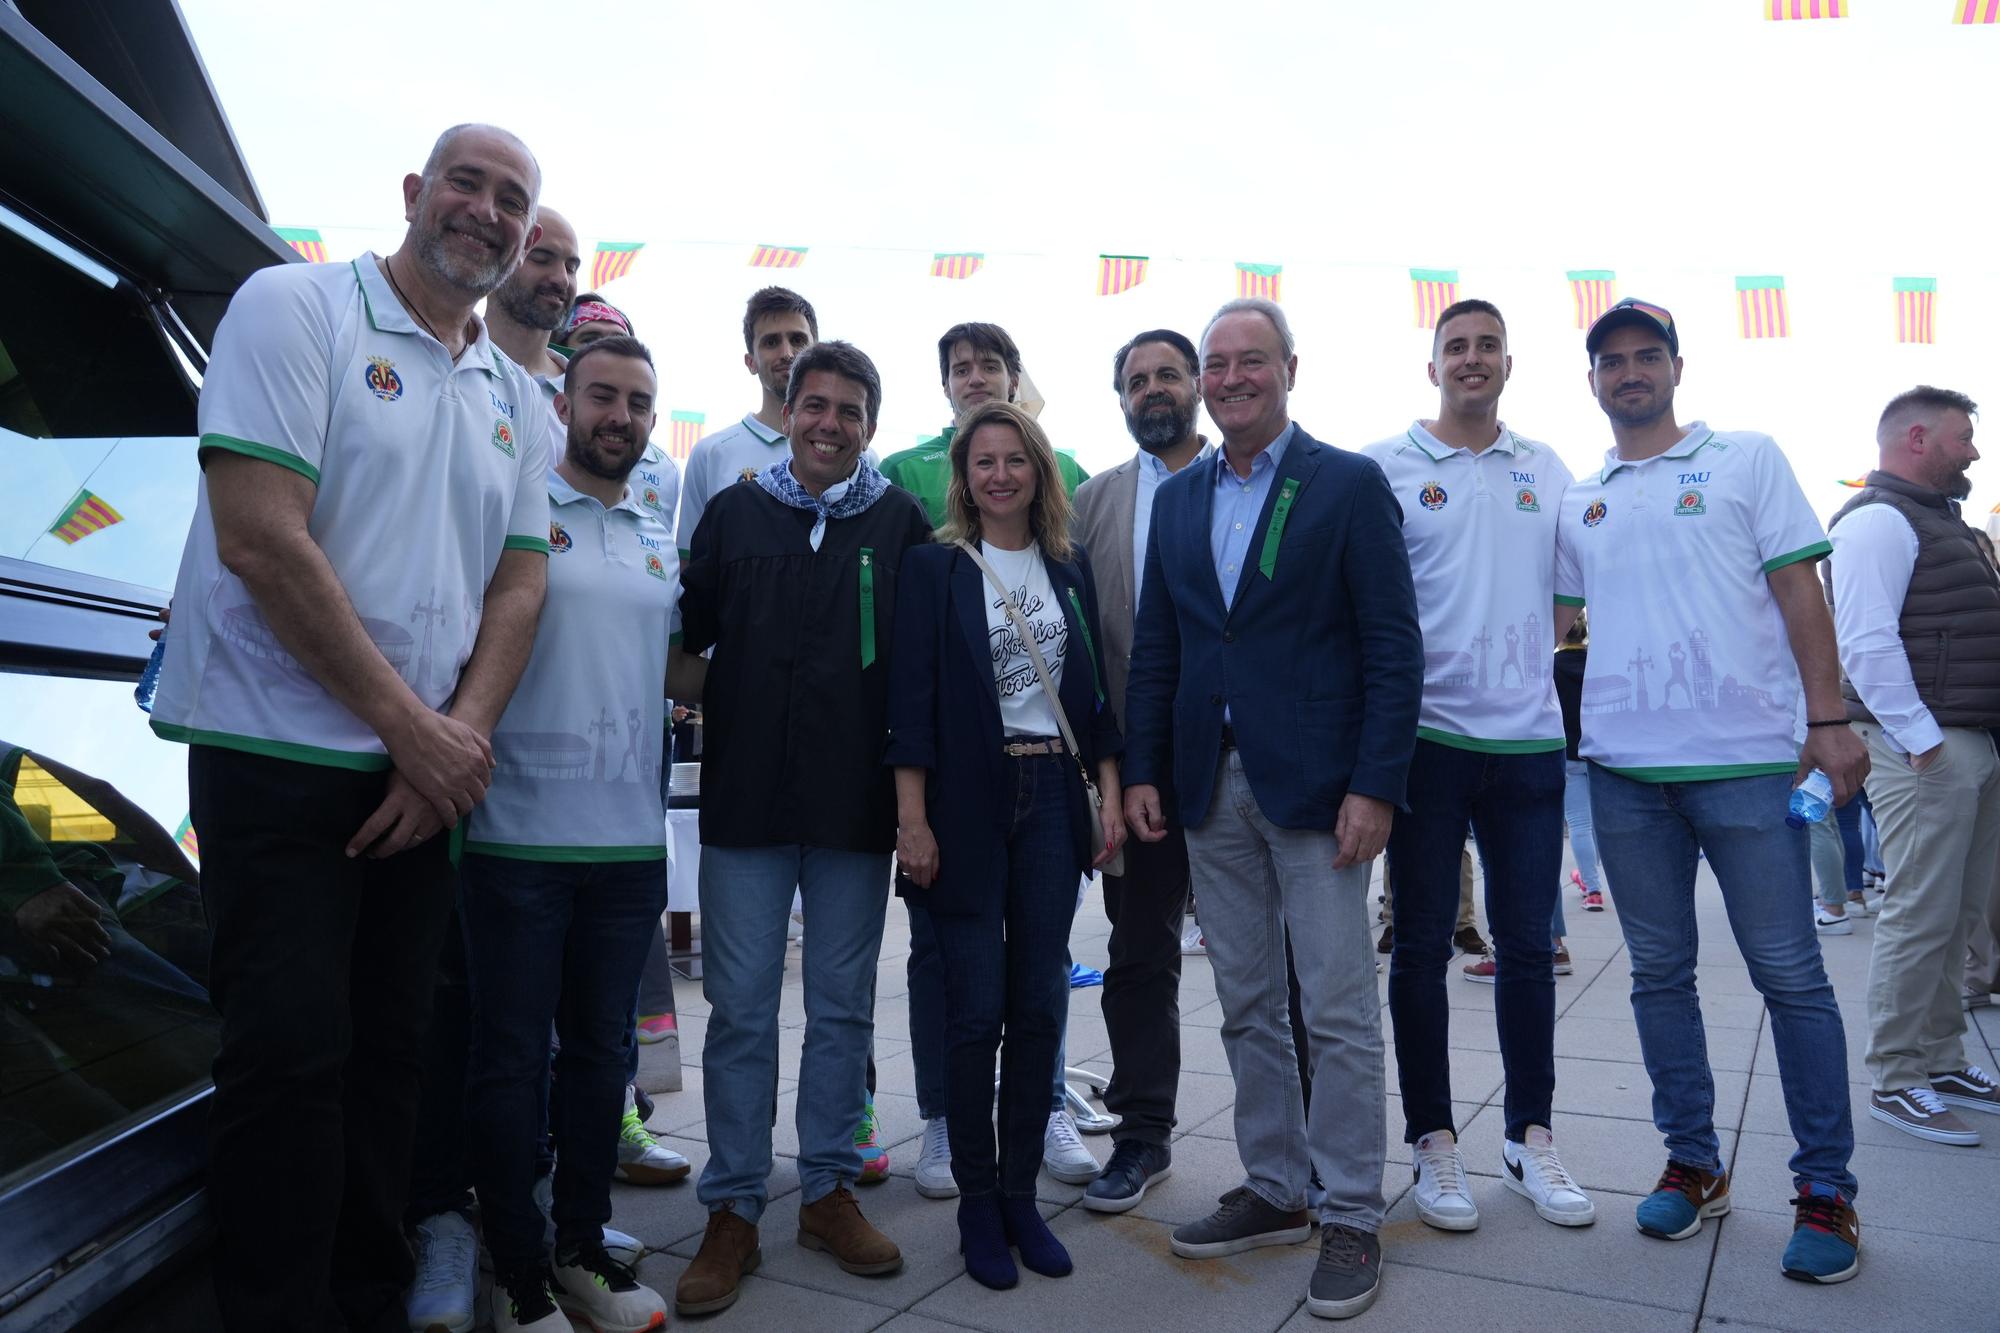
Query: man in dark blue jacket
[(1278, 665)]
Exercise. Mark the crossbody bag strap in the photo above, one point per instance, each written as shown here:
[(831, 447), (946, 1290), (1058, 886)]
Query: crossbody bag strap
[(1027, 634)]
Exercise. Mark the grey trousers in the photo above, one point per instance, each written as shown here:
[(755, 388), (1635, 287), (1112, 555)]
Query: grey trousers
[(1940, 840), (1256, 881)]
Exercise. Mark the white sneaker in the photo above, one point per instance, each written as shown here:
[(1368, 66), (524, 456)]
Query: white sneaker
[(641, 1158), (1534, 1172), (625, 1249), (604, 1293), (525, 1305), (1442, 1199), (1192, 942), (1063, 1153), (1826, 923), (934, 1180), (441, 1295)]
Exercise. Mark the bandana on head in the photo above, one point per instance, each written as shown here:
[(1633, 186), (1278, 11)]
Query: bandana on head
[(843, 500), (596, 312)]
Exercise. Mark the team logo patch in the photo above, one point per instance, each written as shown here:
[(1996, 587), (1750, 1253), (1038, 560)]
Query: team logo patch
[(749, 474), (1432, 496), (655, 566), (1594, 514), (649, 496), (559, 538), (1525, 499), (503, 438), (382, 379), (1690, 503)]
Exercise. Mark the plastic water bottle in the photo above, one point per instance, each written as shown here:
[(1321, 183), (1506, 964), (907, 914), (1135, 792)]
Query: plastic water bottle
[(149, 679), (1811, 800)]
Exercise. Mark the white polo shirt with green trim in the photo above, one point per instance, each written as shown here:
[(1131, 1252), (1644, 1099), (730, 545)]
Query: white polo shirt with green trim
[(579, 748), (656, 481), (424, 472), (1691, 675), (1481, 531)]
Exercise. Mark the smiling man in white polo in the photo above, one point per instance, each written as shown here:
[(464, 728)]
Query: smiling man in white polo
[(355, 603)]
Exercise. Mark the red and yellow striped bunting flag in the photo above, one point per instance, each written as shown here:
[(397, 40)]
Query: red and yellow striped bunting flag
[(1432, 289), (85, 514), (1260, 280), (686, 430), (957, 264), (613, 260), (1119, 273), (1916, 307), (1593, 290), (1975, 11), (1805, 9), (778, 256), (1760, 308), (184, 835), (306, 241)]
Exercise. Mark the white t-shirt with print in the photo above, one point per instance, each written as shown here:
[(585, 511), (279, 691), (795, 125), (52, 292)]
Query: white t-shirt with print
[(1025, 708), (424, 471), (1481, 532), (1691, 675)]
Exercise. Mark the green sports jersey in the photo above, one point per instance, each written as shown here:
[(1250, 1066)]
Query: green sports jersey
[(925, 472)]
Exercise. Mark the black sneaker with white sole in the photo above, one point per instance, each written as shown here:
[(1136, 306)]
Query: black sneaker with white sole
[(1133, 1168), (1243, 1222), (1348, 1275)]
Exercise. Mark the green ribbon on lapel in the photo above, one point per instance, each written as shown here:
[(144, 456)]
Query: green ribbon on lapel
[(1089, 648), (867, 607), (1267, 560)]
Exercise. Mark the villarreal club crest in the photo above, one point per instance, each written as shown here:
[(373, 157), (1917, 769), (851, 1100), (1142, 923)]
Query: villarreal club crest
[(382, 379), (1432, 496)]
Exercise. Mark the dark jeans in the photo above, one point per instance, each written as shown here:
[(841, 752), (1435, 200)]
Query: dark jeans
[(1853, 856), (440, 1175), (1006, 973), (1514, 803), (559, 942), (1142, 986), (322, 969)]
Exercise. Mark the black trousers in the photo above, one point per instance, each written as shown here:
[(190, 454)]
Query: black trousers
[(322, 969), (1142, 985)]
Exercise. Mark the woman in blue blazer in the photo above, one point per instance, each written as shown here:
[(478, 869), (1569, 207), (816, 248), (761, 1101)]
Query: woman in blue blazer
[(994, 824)]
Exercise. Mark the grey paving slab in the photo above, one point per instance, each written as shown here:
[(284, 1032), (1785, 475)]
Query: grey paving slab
[(1610, 996), (1907, 1280), (916, 1323), (1623, 1091), (1765, 1114), (1610, 1260), (1921, 1187), (662, 1215), (1127, 1278), (1208, 1015), (1417, 1300), (1475, 1074), (1587, 1038), (767, 1303)]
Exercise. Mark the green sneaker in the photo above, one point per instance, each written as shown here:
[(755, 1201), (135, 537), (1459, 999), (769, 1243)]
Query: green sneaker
[(874, 1157)]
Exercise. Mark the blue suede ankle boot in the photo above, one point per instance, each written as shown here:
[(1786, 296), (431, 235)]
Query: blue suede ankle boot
[(1040, 1251), (982, 1239)]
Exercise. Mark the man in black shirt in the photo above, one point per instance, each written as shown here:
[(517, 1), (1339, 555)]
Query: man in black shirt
[(791, 579)]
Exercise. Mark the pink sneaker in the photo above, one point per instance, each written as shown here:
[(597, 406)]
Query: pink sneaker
[(1576, 881), (656, 1027), (1593, 901)]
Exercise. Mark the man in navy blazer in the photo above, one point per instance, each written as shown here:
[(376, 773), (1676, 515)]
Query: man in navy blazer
[(1278, 665)]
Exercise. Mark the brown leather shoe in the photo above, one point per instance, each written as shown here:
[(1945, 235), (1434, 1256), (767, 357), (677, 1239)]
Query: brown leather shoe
[(728, 1253), (834, 1223)]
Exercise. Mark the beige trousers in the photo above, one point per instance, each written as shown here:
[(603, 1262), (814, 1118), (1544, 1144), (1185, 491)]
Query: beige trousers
[(1465, 914), (1940, 842)]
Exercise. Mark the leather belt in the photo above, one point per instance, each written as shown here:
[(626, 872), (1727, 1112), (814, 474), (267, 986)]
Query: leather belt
[(1021, 749)]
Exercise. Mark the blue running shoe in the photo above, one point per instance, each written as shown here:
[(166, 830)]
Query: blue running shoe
[(1826, 1237), (1081, 976), (1684, 1195)]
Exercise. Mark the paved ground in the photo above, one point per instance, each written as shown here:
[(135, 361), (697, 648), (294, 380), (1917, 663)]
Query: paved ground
[(1929, 1258)]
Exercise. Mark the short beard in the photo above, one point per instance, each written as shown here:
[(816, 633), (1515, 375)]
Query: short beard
[(582, 452), (451, 270), (519, 305), (1641, 417), (1158, 432)]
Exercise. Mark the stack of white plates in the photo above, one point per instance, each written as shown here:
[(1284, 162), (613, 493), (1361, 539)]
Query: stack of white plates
[(685, 780)]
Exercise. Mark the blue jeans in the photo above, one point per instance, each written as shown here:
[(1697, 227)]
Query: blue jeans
[(926, 1004), (1582, 834), (550, 942), (1006, 976), (746, 901), (1650, 834), (1514, 803)]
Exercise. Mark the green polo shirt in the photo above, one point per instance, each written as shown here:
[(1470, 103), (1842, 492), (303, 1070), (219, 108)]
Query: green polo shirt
[(925, 472)]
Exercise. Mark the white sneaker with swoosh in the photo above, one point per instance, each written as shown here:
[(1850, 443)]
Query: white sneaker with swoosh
[(1533, 1171)]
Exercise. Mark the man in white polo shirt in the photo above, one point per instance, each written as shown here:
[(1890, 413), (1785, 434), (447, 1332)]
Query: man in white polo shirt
[(778, 324), (565, 873), (1479, 516), (357, 598), (1694, 549)]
